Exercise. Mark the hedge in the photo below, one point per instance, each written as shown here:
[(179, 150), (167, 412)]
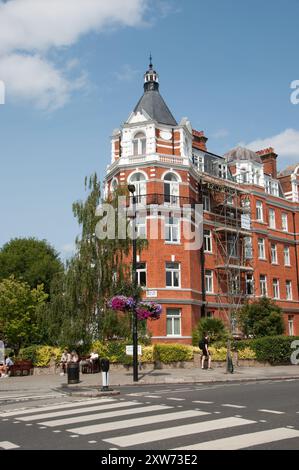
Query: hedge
[(273, 349), (167, 353), (40, 356)]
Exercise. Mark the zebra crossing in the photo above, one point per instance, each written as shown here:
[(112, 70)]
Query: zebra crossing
[(129, 424)]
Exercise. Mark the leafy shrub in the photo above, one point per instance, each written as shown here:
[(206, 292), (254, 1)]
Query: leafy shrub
[(273, 349), (218, 354), (246, 353), (213, 326), (147, 354), (167, 353), (40, 356)]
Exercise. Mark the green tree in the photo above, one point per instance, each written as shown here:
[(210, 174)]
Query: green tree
[(213, 326), (78, 312), (18, 312), (261, 318), (30, 260)]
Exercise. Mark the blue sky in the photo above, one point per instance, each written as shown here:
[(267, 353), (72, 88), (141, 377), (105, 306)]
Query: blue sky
[(73, 72)]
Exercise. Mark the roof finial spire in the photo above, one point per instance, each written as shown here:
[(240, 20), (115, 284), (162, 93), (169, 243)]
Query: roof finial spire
[(151, 61)]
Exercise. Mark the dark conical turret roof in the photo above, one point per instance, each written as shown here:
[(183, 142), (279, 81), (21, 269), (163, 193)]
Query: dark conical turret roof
[(152, 102)]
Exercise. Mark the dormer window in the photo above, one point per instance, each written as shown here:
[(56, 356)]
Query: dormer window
[(139, 144)]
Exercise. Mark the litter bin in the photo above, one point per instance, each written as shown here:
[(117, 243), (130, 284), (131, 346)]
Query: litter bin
[(73, 373)]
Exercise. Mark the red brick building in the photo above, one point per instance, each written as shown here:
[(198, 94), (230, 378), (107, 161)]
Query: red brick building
[(250, 220)]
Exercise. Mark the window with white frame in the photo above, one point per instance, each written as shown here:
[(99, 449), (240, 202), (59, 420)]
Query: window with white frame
[(273, 253), (289, 291), (276, 294), (286, 255), (222, 171), (230, 200), (275, 188), (173, 274), (139, 181), (207, 236), (259, 211), (114, 184), (141, 274), (209, 281), (232, 245), (206, 202), (272, 218), (173, 322), (172, 229), (171, 188), (263, 285), (291, 325), (284, 222), (139, 144), (249, 284), (248, 247), (261, 248)]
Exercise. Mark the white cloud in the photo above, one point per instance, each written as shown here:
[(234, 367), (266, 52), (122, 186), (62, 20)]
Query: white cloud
[(31, 77), (29, 29), (286, 144)]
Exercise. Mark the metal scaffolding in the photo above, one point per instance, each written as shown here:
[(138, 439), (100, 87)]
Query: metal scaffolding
[(232, 241)]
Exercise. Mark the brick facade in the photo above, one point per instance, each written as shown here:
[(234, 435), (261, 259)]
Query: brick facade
[(170, 166)]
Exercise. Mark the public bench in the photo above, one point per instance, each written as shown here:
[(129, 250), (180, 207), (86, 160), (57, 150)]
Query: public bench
[(21, 368), (89, 366)]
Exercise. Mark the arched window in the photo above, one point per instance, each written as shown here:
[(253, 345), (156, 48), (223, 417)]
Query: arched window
[(171, 188), (114, 184), (139, 181), (139, 144)]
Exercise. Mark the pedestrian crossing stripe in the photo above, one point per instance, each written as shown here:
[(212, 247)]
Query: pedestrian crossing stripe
[(6, 445), (76, 411), (55, 407), (99, 416), (185, 430), (131, 423), (244, 440)]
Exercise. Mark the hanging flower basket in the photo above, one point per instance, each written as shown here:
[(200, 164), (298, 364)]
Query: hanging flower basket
[(148, 311), (144, 310), (121, 303)]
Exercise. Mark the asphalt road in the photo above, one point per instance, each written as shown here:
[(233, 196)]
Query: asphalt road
[(261, 415)]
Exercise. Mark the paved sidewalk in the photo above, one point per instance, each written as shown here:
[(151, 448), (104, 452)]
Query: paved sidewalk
[(43, 383)]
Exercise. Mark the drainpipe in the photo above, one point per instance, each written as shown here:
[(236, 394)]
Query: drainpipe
[(202, 264), (296, 255)]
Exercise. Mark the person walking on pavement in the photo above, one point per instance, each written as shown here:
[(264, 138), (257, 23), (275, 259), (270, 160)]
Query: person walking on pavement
[(204, 345)]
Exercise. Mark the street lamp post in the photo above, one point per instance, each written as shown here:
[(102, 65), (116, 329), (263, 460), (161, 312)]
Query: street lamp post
[(131, 188)]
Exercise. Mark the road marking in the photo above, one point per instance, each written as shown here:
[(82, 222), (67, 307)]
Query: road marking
[(245, 440), (38, 417), (57, 430), (74, 435), (272, 411), (55, 407), (176, 399), (92, 442), (8, 445), (131, 423), (185, 430), (99, 416), (233, 406), (203, 402), (151, 396)]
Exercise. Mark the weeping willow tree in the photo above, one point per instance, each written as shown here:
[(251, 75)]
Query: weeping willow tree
[(78, 312)]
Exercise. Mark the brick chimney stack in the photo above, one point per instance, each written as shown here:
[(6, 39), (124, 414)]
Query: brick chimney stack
[(268, 157), (199, 140)]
